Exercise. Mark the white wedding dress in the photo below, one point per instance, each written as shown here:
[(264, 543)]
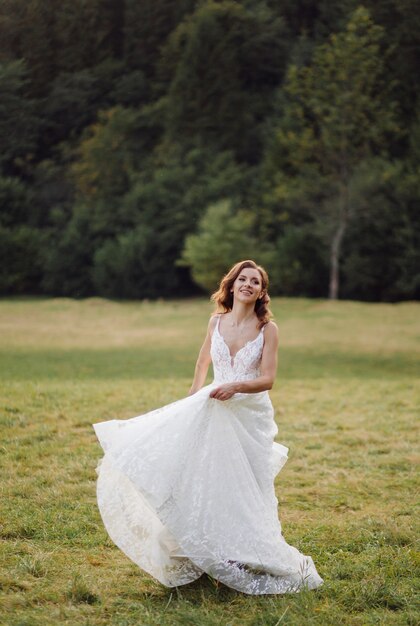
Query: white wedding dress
[(188, 488)]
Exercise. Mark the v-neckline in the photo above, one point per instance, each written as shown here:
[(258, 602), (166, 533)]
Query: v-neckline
[(232, 358)]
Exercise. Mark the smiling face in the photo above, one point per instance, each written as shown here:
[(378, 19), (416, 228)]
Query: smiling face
[(245, 283), (247, 287)]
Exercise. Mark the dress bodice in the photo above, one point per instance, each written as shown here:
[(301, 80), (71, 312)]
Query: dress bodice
[(245, 365)]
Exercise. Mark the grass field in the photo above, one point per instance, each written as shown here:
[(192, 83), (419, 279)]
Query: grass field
[(346, 403)]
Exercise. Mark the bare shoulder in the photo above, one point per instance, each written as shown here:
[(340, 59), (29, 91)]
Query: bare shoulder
[(271, 332), (271, 328), (212, 322)]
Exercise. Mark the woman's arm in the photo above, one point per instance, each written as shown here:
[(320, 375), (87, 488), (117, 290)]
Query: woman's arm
[(204, 359), (268, 369)]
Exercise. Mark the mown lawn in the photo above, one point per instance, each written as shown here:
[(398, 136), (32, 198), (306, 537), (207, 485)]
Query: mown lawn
[(346, 402)]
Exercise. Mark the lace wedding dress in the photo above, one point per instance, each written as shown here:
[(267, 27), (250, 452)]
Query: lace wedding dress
[(188, 488)]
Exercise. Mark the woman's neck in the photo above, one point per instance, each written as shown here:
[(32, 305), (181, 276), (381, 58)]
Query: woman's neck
[(241, 313)]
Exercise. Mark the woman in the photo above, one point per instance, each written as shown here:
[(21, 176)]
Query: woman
[(188, 488)]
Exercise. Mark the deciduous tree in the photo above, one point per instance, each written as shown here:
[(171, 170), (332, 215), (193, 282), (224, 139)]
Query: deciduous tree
[(338, 115)]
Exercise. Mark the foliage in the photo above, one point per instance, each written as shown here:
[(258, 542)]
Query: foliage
[(19, 125), (15, 201), (298, 263), (20, 262), (147, 26), (337, 116), (106, 156), (223, 237), (68, 258), (55, 37), (382, 249), (132, 235), (124, 118), (73, 99), (223, 43)]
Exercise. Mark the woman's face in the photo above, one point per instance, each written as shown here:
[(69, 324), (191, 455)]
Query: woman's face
[(247, 287)]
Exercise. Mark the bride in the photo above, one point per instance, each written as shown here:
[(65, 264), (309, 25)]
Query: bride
[(188, 488)]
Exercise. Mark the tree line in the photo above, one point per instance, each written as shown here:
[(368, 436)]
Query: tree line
[(146, 146)]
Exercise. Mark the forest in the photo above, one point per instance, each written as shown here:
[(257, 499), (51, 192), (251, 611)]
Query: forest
[(146, 145)]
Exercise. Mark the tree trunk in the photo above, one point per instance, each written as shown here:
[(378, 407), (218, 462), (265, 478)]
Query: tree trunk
[(344, 214), (335, 260)]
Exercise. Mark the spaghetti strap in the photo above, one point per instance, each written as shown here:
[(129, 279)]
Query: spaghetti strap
[(216, 325)]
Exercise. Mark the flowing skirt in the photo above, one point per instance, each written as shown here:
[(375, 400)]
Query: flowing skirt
[(188, 488)]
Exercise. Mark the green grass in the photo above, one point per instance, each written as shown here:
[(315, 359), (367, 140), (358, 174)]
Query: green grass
[(346, 401)]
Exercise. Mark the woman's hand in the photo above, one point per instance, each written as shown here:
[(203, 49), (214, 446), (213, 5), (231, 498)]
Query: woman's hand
[(224, 392)]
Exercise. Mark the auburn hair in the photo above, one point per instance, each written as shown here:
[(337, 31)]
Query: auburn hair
[(223, 297)]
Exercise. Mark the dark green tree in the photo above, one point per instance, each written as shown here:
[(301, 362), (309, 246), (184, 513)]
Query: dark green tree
[(223, 63), (147, 25), (55, 37), (337, 117), (67, 256), (19, 123)]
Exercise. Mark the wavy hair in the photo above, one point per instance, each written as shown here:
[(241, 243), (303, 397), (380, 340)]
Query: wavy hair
[(223, 297)]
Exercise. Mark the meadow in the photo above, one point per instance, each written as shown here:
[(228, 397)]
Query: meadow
[(346, 403)]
